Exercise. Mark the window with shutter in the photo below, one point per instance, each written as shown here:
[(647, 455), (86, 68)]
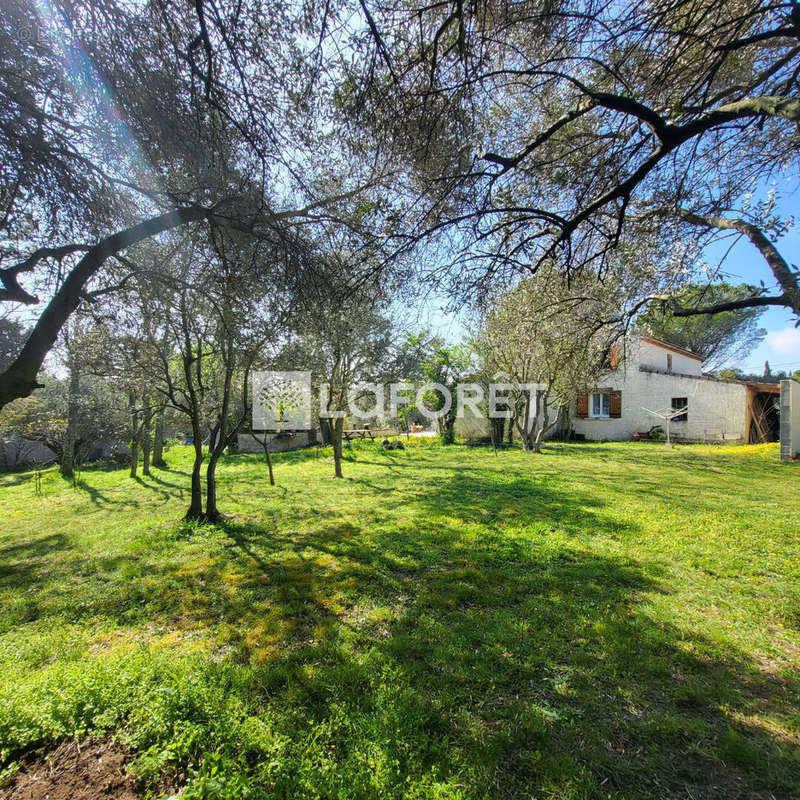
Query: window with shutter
[(615, 404)]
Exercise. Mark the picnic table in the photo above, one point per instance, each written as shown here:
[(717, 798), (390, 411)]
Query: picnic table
[(368, 433), (358, 433)]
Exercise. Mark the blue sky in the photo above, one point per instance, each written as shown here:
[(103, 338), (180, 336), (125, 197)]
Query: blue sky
[(746, 265)]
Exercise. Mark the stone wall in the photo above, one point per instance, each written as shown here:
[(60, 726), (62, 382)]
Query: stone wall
[(278, 442), (790, 419)]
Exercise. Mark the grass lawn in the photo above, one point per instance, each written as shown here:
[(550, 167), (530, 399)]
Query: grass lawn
[(615, 621)]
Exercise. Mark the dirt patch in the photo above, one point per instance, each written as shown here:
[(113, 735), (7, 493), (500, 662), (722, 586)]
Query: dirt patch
[(92, 770)]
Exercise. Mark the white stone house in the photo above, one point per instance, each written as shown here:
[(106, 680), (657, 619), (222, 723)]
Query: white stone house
[(657, 376)]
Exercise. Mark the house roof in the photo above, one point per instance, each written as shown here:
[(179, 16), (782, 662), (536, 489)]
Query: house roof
[(668, 346), (759, 386)]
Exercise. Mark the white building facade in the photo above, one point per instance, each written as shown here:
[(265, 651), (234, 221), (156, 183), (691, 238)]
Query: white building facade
[(657, 377)]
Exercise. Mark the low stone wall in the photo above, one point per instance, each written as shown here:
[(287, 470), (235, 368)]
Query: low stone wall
[(16, 452), (278, 442)]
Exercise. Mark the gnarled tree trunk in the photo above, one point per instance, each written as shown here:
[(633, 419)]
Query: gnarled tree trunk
[(158, 442), (147, 421), (338, 428), (524, 421)]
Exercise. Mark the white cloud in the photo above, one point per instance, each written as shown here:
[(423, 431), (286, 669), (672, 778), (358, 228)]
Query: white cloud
[(785, 342)]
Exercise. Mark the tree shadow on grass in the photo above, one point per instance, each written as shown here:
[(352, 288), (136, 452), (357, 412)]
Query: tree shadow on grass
[(557, 682), (22, 562), (430, 642), (155, 478), (99, 498), (46, 578), (15, 478), (159, 487), (281, 458), (517, 668), (112, 499)]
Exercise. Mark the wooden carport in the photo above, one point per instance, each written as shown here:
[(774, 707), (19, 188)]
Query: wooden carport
[(762, 418)]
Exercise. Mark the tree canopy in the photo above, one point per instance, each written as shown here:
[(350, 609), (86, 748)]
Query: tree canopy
[(720, 338), (479, 141), (560, 131), (120, 122)]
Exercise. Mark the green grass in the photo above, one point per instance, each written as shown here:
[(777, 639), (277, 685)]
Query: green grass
[(597, 621)]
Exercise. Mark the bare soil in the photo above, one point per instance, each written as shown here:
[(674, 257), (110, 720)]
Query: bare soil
[(91, 770)]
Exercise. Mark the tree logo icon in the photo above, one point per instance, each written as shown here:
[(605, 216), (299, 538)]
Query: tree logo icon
[(281, 400)]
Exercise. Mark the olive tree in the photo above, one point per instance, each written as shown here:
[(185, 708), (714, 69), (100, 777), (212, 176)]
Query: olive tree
[(344, 337), (545, 341)]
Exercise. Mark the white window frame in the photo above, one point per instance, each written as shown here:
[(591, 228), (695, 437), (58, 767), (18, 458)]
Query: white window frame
[(685, 414), (601, 415)]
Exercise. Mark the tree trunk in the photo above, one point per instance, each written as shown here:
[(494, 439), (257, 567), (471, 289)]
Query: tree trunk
[(212, 513), (545, 425), (448, 430), (496, 431), (67, 466), (338, 427), (147, 438), (135, 434), (326, 431), (158, 442), (232, 437), (218, 439), (134, 456), (195, 510), (525, 429), (537, 442), (265, 445)]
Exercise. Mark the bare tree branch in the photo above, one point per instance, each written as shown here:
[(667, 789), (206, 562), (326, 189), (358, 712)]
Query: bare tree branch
[(12, 291), (777, 263), (20, 377)]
